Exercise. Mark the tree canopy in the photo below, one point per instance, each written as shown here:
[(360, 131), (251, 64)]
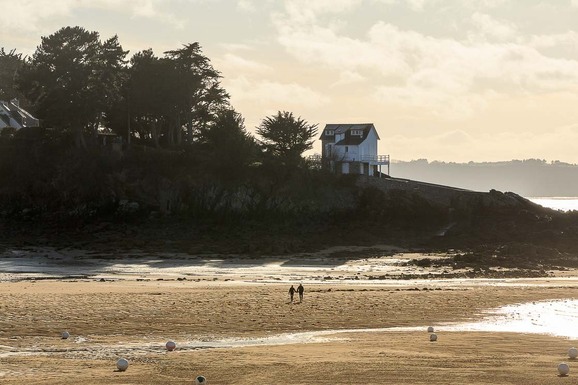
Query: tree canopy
[(286, 137), (72, 79), (172, 98), (10, 63), (80, 84)]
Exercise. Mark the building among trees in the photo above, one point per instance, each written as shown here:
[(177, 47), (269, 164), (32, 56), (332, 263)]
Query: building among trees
[(14, 117)]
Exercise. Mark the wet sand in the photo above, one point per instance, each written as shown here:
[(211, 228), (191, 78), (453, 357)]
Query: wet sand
[(211, 321)]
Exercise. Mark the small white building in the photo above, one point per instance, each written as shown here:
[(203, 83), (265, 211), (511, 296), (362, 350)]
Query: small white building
[(11, 115), (352, 149)]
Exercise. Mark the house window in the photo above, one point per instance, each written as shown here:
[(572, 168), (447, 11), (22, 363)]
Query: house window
[(346, 149), (329, 132), (356, 132)]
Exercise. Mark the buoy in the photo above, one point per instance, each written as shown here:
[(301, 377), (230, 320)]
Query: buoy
[(430, 329), (573, 353), (433, 337), (200, 380), (171, 346), (563, 369), (122, 364), (65, 335)]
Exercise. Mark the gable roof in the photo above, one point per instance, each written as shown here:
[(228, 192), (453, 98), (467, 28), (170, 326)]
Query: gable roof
[(350, 140), (11, 115)]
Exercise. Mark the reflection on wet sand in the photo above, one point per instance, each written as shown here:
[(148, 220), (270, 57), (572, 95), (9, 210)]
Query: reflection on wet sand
[(556, 318)]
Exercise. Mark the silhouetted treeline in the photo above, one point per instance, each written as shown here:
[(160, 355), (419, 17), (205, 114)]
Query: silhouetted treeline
[(530, 178)]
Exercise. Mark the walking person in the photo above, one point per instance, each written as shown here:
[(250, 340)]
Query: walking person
[(300, 290), (291, 292)]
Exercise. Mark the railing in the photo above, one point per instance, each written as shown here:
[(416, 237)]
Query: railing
[(375, 159), (379, 159)]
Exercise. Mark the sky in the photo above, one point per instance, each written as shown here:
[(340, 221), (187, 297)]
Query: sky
[(445, 80)]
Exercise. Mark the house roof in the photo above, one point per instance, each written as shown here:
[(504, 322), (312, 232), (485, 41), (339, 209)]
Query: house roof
[(346, 129), (11, 115)]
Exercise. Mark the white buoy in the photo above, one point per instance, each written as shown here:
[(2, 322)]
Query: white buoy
[(433, 337), (563, 369), (65, 335), (573, 353), (200, 380), (171, 346), (122, 364), (430, 329)]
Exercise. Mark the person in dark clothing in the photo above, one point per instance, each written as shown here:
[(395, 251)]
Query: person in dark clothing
[(291, 292), (300, 290)]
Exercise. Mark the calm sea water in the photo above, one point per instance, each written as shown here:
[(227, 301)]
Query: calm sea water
[(557, 203)]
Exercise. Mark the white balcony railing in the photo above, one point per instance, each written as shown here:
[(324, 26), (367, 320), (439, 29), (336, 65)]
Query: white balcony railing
[(372, 159), (375, 159)]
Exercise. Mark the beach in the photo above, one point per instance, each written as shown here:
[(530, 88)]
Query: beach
[(243, 329)]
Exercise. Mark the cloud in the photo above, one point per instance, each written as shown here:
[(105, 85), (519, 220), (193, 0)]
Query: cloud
[(30, 15), (451, 76), (567, 40), (416, 5), (318, 7), (246, 5), (490, 27), (266, 92), (238, 63), (348, 78), (460, 146)]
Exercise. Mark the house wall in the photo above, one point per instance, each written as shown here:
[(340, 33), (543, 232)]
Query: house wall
[(346, 153), (325, 152), (369, 145), (355, 153)]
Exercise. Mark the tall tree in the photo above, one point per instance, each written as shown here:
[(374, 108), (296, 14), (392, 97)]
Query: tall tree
[(199, 90), (230, 149), (10, 63), (174, 97), (147, 93), (285, 137), (73, 78)]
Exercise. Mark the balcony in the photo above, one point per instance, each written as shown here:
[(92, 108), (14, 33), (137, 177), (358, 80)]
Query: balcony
[(376, 159)]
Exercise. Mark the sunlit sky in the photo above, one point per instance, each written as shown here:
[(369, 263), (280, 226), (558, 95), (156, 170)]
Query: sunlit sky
[(448, 80)]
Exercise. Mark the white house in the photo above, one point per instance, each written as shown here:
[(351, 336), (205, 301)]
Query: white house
[(11, 115), (352, 149)]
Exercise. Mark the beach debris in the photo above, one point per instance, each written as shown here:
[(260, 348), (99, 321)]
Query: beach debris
[(430, 329), (171, 345), (573, 353), (122, 364), (563, 369), (433, 337), (65, 335), (200, 380)]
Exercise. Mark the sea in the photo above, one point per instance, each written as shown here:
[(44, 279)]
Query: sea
[(557, 203)]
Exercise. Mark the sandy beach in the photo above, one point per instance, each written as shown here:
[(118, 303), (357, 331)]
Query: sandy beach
[(236, 329)]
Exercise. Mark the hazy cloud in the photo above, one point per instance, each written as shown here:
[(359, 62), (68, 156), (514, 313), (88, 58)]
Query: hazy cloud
[(246, 5), (492, 28), (30, 15), (238, 63), (452, 76), (349, 77), (461, 146), (281, 94)]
